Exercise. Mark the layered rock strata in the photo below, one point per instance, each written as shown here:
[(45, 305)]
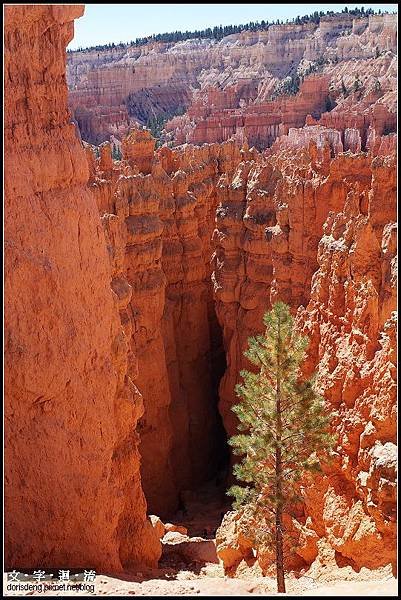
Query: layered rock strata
[(319, 233), (166, 202), (73, 495), (351, 322), (308, 224), (195, 243), (226, 87)]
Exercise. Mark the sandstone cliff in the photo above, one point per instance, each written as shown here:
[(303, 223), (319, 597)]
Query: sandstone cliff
[(308, 224), (195, 243), (319, 233), (351, 321), (238, 86), (73, 495), (165, 203)]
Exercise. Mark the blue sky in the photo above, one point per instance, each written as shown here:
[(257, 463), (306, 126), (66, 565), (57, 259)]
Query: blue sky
[(104, 23)]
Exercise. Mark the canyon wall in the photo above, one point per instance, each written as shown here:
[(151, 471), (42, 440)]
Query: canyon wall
[(244, 85), (320, 234), (154, 270), (351, 321), (166, 202), (219, 231), (73, 495)]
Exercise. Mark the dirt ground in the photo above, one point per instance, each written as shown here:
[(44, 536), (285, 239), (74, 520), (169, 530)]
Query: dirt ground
[(210, 581), (178, 577)]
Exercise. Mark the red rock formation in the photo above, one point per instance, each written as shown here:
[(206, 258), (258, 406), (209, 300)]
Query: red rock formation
[(260, 124), (265, 246), (166, 203), (269, 223), (351, 321), (270, 216), (73, 495), (196, 243), (98, 123), (138, 149), (226, 85), (273, 215), (306, 223)]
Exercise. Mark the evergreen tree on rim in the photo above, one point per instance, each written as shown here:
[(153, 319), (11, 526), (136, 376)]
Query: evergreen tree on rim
[(284, 428)]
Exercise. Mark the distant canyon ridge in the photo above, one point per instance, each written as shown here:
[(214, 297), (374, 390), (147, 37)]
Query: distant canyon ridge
[(253, 86)]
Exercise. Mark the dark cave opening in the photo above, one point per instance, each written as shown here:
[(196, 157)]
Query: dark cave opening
[(218, 368)]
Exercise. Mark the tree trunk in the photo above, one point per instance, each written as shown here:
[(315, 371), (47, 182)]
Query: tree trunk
[(279, 550), (279, 475)]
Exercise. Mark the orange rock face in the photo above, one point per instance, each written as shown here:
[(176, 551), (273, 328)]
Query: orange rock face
[(165, 202), (351, 321), (260, 123), (150, 274), (319, 233), (138, 149), (98, 124), (301, 224), (73, 495)]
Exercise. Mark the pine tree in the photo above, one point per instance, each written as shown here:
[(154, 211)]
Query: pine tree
[(357, 83), (284, 427)]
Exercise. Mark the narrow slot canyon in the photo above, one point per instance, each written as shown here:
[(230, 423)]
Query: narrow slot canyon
[(196, 450), (158, 210), (200, 461)]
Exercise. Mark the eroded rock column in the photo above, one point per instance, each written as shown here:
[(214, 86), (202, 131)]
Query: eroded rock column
[(72, 494)]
